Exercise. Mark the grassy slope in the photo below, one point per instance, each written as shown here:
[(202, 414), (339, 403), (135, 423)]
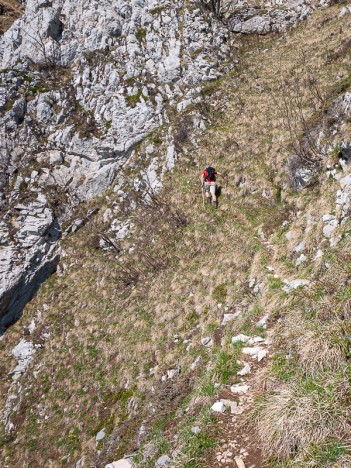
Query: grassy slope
[(103, 340), (10, 10)]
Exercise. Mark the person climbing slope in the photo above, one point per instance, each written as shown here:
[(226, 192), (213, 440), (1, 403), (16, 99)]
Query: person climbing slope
[(208, 182)]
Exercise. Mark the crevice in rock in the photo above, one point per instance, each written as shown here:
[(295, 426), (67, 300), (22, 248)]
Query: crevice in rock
[(26, 287)]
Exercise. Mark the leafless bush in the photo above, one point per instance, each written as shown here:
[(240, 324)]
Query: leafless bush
[(157, 226), (49, 61), (158, 206), (301, 98), (182, 134), (217, 7), (157, 223), (212, 5)]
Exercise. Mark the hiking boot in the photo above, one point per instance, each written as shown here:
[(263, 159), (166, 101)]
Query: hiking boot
[(215, 204), (209, 200)]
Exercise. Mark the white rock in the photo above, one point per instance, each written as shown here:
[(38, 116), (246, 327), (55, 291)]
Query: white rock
[(299, 247), (252, 351), (233, 405), (172, 373), (55, 157), (195, 363), (23, 352), (242, 338), (245, 370), (229, 317), (218, 407), (163, 461), (252, 283), (345, 181), (207, 342), (263, 322), (100, 435), (239, 389), (328, 217), (262, 354), (120, 464), (239, 462), (319, 254), (302, 258), (330, 228), (31, 327), (294, 284), (256, 339), (342, 12)]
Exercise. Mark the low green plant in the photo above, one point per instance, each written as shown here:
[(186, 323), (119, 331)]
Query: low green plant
[(157, 10), (8, 106), (133, 100), (275, 283), (226, 367), (283, 367), (157, 140), (220, 292), (327, 453), (140, 34)]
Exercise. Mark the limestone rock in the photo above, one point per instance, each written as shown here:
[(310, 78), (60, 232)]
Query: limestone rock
[(239, 389), (100, 435), (23, 353), (294, 284), (239, 462), (123, 463), (263, 322), (262, 354), (218, 407), (245, 370), (163, 461), (207, 342), (229, 317), (240, 338), (262, 20), (233, 405)]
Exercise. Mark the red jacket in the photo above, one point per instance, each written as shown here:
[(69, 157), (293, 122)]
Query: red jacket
[(205, 174)]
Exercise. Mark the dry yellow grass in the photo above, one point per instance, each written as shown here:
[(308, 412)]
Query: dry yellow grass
[(10, 10)]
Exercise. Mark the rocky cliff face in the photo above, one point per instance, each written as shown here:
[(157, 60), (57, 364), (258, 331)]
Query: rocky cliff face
[(83, 83)]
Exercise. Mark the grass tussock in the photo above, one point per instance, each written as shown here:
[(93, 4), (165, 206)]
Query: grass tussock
[(304, 412)]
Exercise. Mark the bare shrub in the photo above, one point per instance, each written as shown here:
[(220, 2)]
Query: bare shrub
[(217, 7), (301, 98), (212, 5), (182, 134), (157, 223), (37, 39)]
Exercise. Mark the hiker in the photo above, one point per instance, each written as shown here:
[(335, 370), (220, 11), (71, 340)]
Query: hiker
[(208, 182)]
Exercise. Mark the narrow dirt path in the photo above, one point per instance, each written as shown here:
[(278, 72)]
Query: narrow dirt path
[(238, 445)]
